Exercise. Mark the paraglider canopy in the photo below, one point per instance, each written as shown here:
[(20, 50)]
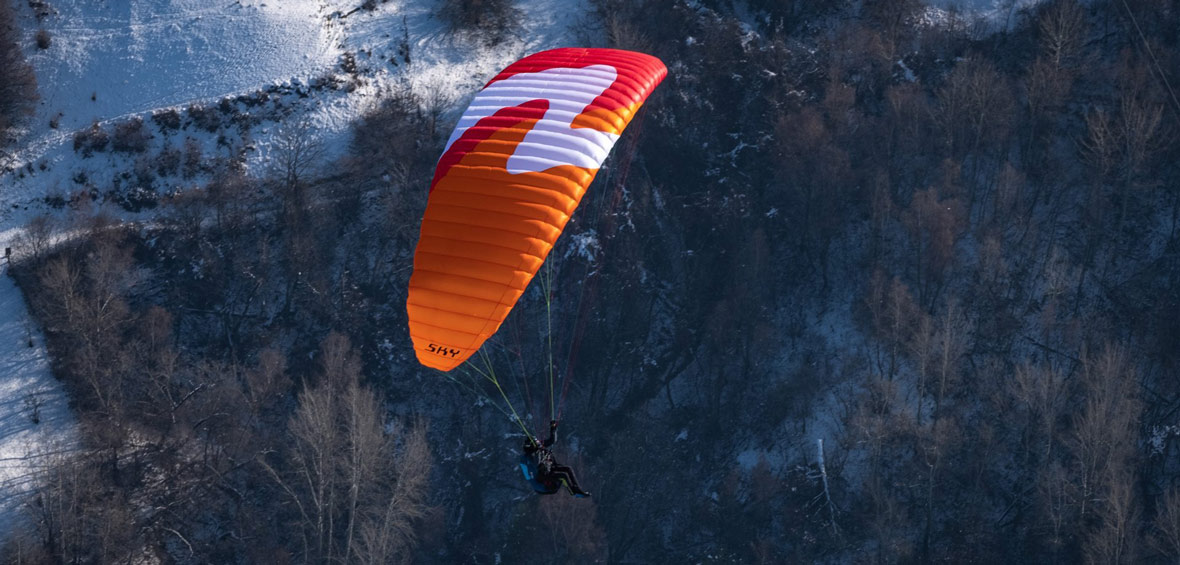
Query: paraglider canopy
[(512, 174)]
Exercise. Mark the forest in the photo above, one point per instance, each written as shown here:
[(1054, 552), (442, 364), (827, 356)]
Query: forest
[(856, 286)]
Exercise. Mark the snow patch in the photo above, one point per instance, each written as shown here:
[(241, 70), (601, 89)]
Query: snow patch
[(585, 245), (998, 14)]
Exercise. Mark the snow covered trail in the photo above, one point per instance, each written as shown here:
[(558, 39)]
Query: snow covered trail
[(110, 59)]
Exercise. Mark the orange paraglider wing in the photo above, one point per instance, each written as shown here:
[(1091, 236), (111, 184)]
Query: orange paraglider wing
[(513, 172)]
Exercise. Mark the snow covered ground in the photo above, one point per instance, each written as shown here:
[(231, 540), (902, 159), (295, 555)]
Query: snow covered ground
[(1000, 14), (138, 56)]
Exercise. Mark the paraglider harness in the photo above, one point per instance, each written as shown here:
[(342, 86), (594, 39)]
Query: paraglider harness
[(542, 471)]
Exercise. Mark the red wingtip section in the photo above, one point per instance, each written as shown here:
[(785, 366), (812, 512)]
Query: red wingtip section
[(637, 73)]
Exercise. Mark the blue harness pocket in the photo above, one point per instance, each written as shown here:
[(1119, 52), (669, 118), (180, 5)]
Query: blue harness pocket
[(532, 479)]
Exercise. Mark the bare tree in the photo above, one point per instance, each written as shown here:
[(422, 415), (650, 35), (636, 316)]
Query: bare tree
[(316, 481), (1058, 503), (101, 361), (77, 519), (1063, 33), (158, 361), (573, 529), (387, 534), (267, 381), (883, 429), (1040, 393), (340, 362), (623, 33), (1125, 143), (1010, 195), (298, 153), (1046, 87), (489, 21), (356, 493), (61, 293), (1139, 126), (951, 343), (1102, 444), (894, 316), (35, 240), (1116, 539), (973, 106), (935, 224), (1166, 526)]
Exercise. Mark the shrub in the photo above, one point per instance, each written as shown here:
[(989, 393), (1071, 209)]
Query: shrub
[(204, 117), (55, 201), (91, 139), (256, 98), (43, 39), (145, 174), (137, 199), (348, 63), (167, 119), (130, 137), (192, 158), (489, 21), (41, 9), (244, 121), (403, 44), (168, 162)]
